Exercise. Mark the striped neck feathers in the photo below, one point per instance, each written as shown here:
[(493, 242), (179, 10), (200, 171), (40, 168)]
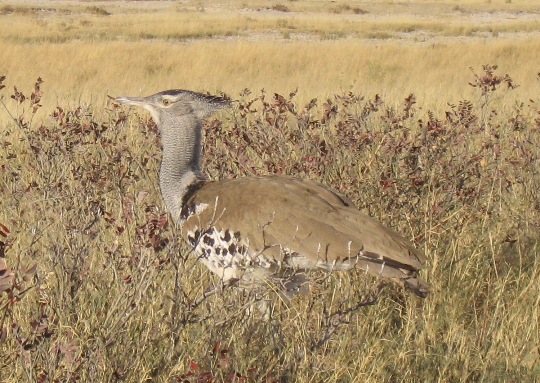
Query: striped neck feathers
[(181, 138)]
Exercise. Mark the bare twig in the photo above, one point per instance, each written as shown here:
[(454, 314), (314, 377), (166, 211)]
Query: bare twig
[(340, 317)]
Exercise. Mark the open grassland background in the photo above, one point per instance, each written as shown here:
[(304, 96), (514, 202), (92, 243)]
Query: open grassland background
[(94, 284), (89, 49)]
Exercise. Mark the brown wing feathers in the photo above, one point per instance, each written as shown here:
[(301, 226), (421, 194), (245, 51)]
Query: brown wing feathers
[(280, 215)]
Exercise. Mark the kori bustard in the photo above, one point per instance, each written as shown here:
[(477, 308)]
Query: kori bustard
[(256, 230)]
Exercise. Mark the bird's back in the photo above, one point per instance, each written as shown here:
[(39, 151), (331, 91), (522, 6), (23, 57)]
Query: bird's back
[(259, 226)]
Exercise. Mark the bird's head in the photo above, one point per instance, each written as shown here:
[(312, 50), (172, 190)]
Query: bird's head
[(177, 103)]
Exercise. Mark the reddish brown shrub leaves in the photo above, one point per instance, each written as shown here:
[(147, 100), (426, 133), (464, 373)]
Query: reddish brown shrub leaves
[(7, 277), (488, 81), (218, 370)]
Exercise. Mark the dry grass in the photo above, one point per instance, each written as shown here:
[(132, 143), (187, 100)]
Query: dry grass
[(319, 69), (94, 284), (104, 292), (82, 53)]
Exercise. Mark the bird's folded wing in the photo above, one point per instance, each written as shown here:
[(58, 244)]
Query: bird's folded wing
[(283, 216)]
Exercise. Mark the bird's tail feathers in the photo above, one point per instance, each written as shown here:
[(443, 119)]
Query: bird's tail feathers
[(400, 274)]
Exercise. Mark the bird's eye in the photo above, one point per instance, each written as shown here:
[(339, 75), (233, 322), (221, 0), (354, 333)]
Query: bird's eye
[(166, 102)]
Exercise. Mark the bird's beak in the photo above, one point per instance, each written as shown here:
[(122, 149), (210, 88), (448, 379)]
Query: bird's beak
[(135, 101), (140, 102)]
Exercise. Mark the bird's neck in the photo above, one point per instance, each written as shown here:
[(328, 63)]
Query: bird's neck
[(180, 167)]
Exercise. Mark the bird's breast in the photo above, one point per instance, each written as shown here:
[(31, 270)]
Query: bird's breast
[(226, 254)]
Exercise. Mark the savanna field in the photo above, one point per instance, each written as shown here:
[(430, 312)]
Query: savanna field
[(425, 114)]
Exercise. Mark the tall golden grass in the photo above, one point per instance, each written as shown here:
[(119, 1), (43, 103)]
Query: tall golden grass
[(84, 72), (94, 283), (96, 286), (85, 51)]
